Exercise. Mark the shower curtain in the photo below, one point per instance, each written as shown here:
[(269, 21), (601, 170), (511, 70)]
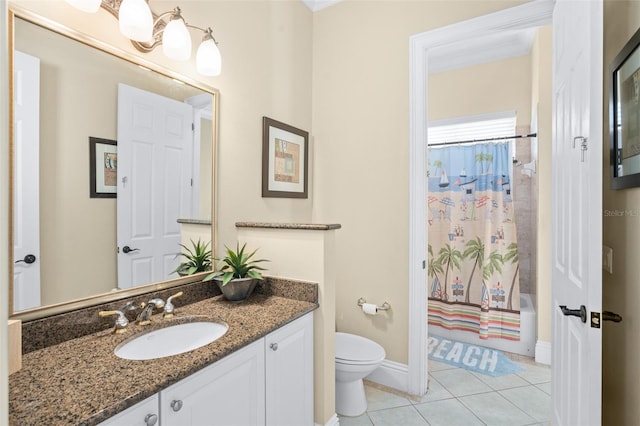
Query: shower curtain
[(473, 250)]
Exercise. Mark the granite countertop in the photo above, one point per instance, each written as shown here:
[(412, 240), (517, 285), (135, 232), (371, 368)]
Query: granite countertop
[(82, 382), (304, 226)]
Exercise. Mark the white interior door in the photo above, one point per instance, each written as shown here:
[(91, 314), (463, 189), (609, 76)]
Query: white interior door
[(26, 191), (202, 110), (155, 139), (577, 212)]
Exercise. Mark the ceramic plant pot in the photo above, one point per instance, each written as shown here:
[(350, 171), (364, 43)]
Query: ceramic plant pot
[(238, 289)]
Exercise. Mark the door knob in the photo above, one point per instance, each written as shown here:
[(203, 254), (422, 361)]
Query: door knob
[(28, 259), (127, 249), (274, 346), (611, 316), (581, 313)]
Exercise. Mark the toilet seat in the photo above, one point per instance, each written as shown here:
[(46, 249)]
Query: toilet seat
[(352, 349)]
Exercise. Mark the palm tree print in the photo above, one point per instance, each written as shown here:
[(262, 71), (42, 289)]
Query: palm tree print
[(437, 164), (475, 251), (434, 267), (450, 256), (483, 157), (512, 255), (494, 263)]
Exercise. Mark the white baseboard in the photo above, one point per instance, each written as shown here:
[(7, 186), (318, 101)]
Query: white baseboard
[(391, 374), (333, 421), (543, 352)]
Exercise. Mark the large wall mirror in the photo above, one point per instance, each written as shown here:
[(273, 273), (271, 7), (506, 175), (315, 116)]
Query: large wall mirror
[(109, 158)]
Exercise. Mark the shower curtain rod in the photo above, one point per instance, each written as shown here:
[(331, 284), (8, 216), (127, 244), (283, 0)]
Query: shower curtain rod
[(530, 135)]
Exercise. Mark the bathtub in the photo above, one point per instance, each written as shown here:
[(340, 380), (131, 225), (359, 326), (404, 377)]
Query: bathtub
[(526, 345)]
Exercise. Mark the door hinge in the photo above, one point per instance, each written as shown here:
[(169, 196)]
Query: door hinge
[(193, 127), (191, 181), (424, 264)]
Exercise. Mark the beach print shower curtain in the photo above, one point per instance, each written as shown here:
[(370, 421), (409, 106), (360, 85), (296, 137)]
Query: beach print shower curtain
[(473, 250)]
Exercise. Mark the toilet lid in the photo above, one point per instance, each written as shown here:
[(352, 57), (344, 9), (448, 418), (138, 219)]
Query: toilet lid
[(350, 347)]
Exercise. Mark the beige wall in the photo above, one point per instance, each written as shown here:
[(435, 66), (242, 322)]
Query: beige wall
[(620, 291), (480, 89), (541, 151), (361, 133)]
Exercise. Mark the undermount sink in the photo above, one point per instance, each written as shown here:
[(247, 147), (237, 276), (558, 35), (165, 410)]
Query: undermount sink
[(172, 340)]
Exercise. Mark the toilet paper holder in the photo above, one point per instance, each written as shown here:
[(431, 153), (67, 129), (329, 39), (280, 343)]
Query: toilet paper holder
[(384, 307)]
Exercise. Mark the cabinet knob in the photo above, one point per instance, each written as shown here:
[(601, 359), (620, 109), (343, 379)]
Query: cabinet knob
[(151, 419), (274, 346), (176, 405)]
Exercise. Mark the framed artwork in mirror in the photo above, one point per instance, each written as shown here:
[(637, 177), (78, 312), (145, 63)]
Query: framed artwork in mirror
[(624, 116), (285, 160), (103, 168)]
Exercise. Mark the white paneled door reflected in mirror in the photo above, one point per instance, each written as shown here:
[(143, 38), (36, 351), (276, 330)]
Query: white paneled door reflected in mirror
[(76, 204)]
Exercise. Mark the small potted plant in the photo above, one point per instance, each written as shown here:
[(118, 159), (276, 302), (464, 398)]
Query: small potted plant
[(198, 259), (238, 275)]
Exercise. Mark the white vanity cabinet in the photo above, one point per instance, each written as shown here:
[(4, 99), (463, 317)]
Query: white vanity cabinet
[(144, 413), (227, 393), (289, 374), (269, 382)]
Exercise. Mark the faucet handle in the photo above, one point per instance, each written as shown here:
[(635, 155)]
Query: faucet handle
[(121, 322), (168, 307)]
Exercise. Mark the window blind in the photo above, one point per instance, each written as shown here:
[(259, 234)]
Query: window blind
[(470, 128)]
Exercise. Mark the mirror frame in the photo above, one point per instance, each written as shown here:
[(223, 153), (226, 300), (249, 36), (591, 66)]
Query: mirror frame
[(49, 310), (620, 181)]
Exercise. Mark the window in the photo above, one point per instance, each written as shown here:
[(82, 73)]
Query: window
[(496, 125)]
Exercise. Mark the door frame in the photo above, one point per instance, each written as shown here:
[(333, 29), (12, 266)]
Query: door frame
[(531, 14)]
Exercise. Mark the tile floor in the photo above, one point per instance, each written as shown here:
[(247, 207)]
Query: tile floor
[(459, 397)]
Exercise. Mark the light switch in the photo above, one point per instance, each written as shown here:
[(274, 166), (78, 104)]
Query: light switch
[(607, 259)]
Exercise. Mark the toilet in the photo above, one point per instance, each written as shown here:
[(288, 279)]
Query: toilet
[(356, 358)]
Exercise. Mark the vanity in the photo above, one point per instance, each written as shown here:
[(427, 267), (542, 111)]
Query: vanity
[(260, 372)]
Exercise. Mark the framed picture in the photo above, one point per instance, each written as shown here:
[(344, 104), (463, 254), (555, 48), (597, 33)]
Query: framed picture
[(285, 160), (103, 168), (624, 116)]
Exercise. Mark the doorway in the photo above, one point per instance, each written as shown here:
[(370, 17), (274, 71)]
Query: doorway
[(423, 45)]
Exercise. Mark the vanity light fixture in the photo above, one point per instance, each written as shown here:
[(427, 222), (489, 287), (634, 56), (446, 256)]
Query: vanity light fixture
[(146, 30)]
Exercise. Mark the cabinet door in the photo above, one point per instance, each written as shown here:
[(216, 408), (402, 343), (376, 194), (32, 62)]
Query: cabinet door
[(289, 374), (144, 413), (230, 392)]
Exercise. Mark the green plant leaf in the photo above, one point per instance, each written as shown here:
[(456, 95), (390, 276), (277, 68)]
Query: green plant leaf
[(238, 264)]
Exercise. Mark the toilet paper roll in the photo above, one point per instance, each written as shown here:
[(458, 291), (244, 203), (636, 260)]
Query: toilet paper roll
[(369, 308)]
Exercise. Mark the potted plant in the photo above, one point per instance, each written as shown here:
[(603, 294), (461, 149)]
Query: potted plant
[(198, 259), (238, 275)]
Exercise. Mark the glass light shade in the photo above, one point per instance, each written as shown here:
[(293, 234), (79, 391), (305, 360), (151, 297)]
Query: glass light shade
[(208, 59), (136, 22), (89, 6), (176, 41)]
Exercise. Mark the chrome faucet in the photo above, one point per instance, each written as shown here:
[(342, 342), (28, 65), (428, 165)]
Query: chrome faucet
[(144, 317)]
